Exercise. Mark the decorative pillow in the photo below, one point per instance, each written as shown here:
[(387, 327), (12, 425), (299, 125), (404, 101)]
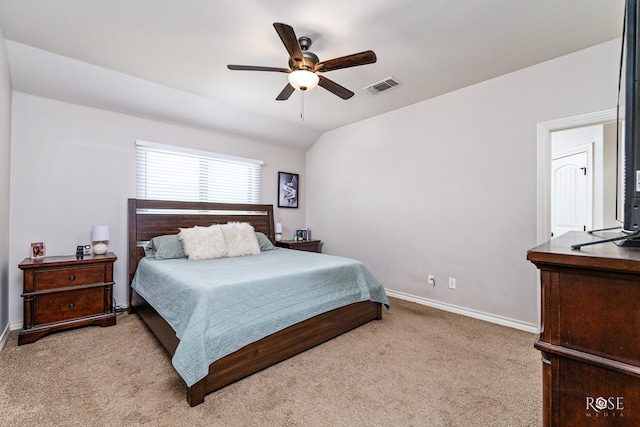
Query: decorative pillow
[(165, 247), (203, 242), (264, 242), (241, 239)]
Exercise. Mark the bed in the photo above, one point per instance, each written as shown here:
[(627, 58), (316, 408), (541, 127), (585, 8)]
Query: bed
[(151, 218)]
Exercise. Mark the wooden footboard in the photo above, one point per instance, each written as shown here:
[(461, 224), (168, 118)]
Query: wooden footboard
[(266, 352)]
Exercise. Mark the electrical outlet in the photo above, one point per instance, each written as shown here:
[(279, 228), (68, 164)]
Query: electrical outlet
[(452, 283), (431, 280)]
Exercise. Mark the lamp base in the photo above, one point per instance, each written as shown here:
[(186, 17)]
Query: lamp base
[(278, 237), (100, 248)]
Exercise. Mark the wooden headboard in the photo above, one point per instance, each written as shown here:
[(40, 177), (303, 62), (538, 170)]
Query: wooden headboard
[(151, 218)]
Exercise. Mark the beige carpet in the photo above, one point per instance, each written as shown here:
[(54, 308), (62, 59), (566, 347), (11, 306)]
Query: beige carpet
[(416, 367)]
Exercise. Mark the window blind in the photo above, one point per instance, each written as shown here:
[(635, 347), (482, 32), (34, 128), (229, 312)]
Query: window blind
[(164, 172)]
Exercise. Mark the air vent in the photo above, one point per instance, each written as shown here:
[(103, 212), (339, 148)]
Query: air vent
[(382, 85)]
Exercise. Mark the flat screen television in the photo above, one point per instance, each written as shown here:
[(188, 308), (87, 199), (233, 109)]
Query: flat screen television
[(631, 179), (629, 159)]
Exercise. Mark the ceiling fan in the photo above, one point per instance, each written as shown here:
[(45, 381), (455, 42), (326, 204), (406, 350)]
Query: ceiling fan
[(305, 67)]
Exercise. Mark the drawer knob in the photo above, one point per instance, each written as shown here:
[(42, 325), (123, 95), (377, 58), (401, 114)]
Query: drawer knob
[(71, 305), (72, 278)]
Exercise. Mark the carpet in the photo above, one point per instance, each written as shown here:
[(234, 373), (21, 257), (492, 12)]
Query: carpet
[(418, 366)]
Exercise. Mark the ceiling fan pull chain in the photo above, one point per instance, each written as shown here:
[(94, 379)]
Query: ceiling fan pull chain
[(302, 105)]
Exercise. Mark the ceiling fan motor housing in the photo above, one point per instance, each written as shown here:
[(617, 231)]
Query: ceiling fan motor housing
[(310, 58)]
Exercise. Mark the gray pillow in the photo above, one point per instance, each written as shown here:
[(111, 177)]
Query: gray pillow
[(165, 247), (264, 242)]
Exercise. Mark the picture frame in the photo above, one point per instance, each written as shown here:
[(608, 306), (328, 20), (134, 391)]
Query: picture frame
[(288, 189), (38, 250)]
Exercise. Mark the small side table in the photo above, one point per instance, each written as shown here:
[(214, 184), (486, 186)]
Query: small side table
[(63, 292), (305, 245)]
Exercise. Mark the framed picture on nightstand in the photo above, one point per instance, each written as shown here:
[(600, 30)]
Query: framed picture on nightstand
[(37, 250), (288, 191)]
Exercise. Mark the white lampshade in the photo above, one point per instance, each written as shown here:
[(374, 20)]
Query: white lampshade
[(100, 235), (278, 230), (303, 80)]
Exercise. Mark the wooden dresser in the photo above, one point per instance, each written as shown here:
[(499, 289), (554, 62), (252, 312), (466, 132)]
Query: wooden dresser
[(62, 292), (305, 245), (590, 332)]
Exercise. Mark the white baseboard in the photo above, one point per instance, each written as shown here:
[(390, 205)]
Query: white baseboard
[(15, 325), (500, 320), (4, 336)]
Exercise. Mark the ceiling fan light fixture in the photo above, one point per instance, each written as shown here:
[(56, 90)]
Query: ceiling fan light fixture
[(303, 80)]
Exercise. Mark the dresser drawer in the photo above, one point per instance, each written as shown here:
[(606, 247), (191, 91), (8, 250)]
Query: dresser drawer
[(59, 306), (63, 277)]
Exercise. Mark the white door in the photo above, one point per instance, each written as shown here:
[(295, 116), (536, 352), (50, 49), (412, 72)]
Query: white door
[(571, 200)]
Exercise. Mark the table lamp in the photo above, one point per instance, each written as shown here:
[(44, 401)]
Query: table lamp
[(278, 230), (99, 236)]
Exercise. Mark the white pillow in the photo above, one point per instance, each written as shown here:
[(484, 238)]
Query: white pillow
[(241, 239), (203, 242)]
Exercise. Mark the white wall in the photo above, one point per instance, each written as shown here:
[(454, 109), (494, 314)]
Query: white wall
[(5, 158), (448, 186), (568, 139), (74, 167)]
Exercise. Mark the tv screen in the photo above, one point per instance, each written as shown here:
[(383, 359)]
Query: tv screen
[(629, 156), (631, 181)]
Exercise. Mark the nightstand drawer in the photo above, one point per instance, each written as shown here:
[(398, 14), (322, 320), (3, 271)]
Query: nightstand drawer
[(307, 248), (58, 306), (64, 277), (305, 245)]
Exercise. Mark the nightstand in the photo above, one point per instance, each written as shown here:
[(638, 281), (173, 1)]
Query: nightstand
[(63, 292), (305, 245)]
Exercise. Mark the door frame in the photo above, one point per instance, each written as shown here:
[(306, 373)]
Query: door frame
[(544, 130), (588, 149)]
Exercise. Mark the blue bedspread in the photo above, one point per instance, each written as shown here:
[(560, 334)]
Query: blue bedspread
[(218, 306)]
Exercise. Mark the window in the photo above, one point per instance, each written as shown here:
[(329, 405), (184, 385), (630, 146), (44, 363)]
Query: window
[(172, 173)]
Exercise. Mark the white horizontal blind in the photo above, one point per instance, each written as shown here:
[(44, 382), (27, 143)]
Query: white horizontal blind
[(172, 173)]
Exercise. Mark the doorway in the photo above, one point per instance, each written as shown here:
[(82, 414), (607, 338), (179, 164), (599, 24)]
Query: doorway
[(603, 216)]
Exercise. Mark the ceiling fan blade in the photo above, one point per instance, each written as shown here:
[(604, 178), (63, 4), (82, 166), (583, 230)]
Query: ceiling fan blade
[(362, 58), (257, 68), (334, 88), (290, 41), (286, 93)]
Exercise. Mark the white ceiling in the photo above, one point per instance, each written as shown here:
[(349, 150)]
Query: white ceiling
[(167, 58)]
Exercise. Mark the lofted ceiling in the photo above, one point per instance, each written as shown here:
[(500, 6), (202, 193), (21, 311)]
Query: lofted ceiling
[(167, 59)]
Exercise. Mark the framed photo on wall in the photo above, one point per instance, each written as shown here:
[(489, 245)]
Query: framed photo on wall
[(288, 191)]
